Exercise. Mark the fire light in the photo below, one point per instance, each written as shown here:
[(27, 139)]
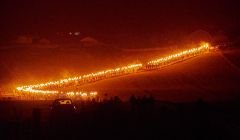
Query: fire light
[(120, 71)]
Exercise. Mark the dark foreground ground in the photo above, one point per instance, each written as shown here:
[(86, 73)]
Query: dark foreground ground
[(113, 119)]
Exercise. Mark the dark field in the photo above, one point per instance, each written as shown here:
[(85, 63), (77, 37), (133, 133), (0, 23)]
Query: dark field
[(113, 119)]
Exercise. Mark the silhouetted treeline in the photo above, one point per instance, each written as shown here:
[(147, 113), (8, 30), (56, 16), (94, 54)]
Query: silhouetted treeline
[(141, 117)]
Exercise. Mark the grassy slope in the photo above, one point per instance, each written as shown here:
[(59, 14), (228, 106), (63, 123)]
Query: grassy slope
[(23, 66), (209, 76)]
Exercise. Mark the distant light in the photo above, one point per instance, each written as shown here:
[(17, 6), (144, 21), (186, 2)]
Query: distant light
[(19, 88), (84, 94), (93, 93), (70, 33), (77, 33)]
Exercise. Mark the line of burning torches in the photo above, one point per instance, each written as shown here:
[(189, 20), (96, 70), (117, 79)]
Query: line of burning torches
[(93, 77)]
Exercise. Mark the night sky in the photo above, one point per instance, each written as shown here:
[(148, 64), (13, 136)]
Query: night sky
[(114, 17)]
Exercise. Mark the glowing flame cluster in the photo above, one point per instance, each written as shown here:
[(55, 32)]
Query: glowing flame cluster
[(81, 79), (87, 77), (82, 94), (30, 89), (178, 56), (93, 77)]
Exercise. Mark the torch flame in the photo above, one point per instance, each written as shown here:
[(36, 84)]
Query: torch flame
[(132, 68)]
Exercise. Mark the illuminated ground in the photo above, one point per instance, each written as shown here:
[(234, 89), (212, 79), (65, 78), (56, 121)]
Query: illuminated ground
[(213, 76), (210, 77), (129, 69), (33, 65)]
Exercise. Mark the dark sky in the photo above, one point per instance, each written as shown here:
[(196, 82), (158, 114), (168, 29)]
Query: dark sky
[(135, 22), (118, 16)]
